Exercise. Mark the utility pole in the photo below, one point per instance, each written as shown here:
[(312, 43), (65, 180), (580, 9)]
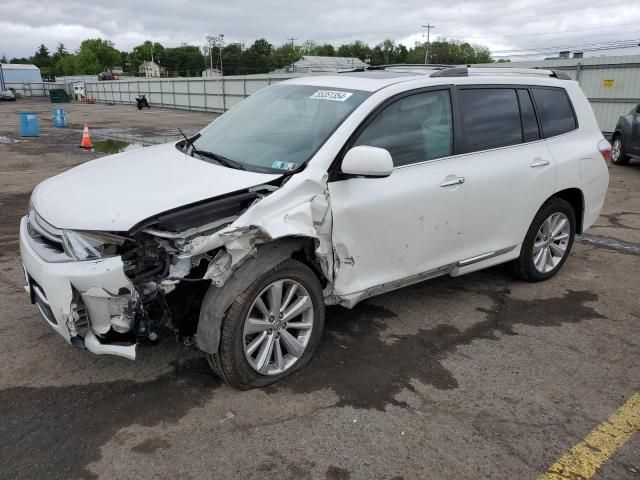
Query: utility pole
[(210, 42), (292, 39), (427, 57)]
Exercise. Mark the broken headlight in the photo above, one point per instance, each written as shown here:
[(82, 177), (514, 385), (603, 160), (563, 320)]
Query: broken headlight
[(90, 245)]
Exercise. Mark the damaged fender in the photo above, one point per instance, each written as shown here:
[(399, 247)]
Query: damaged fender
[(302, 209), (218, 299)]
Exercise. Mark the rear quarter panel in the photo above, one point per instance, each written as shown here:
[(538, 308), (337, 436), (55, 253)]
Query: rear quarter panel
[(579, 161)]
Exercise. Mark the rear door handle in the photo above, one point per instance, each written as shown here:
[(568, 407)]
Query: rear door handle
[(450, 183), (539, 163)]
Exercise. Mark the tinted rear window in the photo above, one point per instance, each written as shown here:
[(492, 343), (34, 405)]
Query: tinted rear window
[(491, 118), (556, 114)]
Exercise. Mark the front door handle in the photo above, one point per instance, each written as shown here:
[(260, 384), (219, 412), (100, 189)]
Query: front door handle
[(539, 163), (451, 183)]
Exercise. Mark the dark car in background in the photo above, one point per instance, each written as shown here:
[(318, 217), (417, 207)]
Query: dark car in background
[(106, 76), (626, 138)]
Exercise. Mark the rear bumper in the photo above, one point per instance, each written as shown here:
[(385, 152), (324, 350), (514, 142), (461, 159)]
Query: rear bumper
[(78, 299)]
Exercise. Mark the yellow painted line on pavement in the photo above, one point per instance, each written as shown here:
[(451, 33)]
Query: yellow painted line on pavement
[(584, 460)]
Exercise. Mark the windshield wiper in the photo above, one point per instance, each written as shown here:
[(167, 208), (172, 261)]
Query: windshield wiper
[(224, 161), (188, 141), (227, 162)]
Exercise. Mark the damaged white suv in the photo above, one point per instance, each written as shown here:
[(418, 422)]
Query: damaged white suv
[(316, 191)]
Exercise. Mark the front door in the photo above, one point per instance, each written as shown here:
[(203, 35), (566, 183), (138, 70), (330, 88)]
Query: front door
[(389, 229)]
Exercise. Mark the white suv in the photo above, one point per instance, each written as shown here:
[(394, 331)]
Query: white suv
[(316, 191)]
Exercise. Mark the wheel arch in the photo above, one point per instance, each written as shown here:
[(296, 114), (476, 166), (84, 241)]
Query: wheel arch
[(218, 299), (575, 198)]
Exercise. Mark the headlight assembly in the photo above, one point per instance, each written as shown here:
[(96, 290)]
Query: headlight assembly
[(82, 245)]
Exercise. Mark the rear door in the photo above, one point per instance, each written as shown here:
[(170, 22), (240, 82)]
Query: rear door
[(509, 169)]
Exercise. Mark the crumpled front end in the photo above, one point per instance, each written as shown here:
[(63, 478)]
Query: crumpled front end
[(80, 300), (151, 285)]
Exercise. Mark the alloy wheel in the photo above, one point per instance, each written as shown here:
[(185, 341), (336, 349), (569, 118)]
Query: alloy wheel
[(552, 240), (278, 327), (616, 149)]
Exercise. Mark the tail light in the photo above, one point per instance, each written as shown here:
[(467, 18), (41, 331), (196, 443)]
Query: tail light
[(605, 149)]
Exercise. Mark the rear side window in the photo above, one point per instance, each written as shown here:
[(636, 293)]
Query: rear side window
[(527, 113), (491, 118), (556, 114)]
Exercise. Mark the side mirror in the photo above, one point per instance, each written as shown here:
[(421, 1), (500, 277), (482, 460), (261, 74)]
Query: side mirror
[(368, 162)]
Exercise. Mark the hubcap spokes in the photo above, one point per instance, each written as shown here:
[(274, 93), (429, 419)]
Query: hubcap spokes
[(278, 327), (615, 149), (552, 240)]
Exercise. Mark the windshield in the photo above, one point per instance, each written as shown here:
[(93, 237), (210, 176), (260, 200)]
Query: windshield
[(279, 128)]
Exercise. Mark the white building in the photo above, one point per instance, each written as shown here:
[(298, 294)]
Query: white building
[(149, 69), (211, 73), (312, 63), (19, 73)]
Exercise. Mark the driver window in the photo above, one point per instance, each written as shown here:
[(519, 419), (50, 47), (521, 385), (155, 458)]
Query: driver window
[(413, 129)]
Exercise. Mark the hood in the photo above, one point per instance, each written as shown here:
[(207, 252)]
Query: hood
[(116, 192)]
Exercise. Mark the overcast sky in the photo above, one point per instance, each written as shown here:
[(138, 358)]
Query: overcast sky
[(502, 25)]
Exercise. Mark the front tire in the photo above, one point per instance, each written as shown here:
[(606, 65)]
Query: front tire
[(618, 153), (272, 329), (548, 242)]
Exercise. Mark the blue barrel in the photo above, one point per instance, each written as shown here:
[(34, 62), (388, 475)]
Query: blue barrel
[(59, 118), (28, 124)]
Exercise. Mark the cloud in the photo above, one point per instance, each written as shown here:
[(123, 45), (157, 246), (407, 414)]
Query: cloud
[(502, 25)]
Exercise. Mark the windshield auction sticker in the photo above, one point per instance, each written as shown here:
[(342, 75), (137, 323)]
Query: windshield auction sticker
[(284, 165), (333, 95)]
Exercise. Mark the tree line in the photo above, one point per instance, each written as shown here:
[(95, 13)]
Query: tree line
[(96, 55)]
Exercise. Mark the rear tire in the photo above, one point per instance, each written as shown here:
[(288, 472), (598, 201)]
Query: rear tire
[(289, 343), (548, 242), (618, 153)]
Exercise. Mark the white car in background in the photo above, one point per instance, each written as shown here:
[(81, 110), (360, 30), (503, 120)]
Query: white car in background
[(316, 191)]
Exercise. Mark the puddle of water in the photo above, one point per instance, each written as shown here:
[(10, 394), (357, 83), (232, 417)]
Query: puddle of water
[(115, 146), (131, 136)]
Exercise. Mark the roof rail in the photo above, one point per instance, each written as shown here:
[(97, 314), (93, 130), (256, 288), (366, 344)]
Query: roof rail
[(473, 71), (402, 67)]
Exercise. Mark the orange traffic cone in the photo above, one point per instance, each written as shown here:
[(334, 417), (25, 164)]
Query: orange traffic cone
[(86, 139)]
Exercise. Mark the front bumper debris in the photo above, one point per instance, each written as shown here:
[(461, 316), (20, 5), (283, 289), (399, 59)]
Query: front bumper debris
[(78, 299)]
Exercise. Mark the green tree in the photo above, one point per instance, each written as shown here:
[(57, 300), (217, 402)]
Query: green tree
[(284, 56), (143, 53), (103, 51), (185, 60), (66, 65), (357, 49), (256, 58), (86, 63), (232, 59)]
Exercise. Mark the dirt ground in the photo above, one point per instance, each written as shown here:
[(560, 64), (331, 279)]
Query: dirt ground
[(475, 377)]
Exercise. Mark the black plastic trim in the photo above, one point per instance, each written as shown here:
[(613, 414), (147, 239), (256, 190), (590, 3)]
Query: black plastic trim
[(195, 214), (452, 72)]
